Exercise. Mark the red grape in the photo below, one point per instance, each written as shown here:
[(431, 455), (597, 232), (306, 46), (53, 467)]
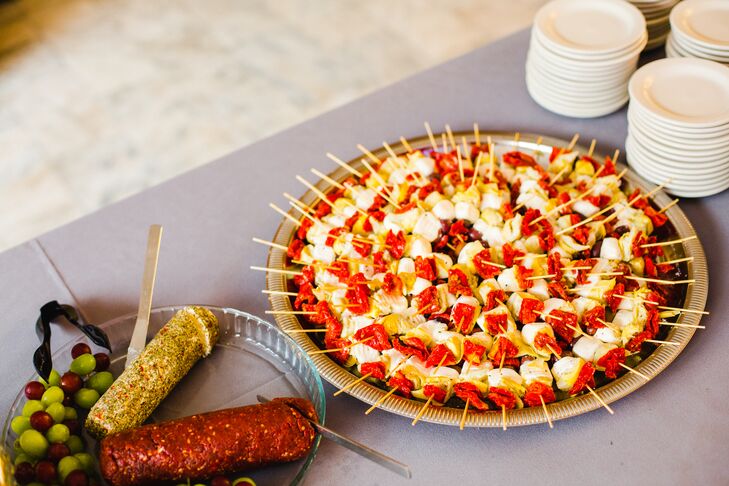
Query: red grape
[(41, 421), (45, 471), (79, 349), (220, 481), (77, 478), (57, 451), (102, 361), (74, 426), (71, 382), (34, 390), (24, 473)]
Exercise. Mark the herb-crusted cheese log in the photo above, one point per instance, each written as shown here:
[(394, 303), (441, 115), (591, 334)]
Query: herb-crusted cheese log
[(187, 337)]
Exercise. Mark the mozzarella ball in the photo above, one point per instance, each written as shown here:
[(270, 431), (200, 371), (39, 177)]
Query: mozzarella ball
[(565, 372), (611, 249), (444, 210), (406, 265), (424, 165), (467, 212), (427, 226), (418, 247), (507, 280), (505, 378), (536, 370)]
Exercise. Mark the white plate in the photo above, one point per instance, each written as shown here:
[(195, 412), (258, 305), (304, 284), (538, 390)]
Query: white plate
[(688, 42), (582, 112), (694, 173), (692, 51), (569, 82), (705, 21), (671, 148), (571, 96), (598, 26), (689, 132), (686, 92), (585, 71), (587, 64), (538, 36), (674, 189), (575, 77), (679, 143)]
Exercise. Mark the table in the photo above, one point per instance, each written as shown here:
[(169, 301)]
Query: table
[(671, 431)]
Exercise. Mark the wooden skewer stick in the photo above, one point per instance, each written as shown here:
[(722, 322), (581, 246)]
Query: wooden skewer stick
[(279, 292), (327, 178), (558, 176), (451, 138), (444, 140), (431, 137), (517, 137), (492, 161), (616, 154), (344, 165), (676, 324), (324, 197), (284, 214), (503, 358), (668, 206), (405, 144), (538, 277), (475, 171), (381, 400), (304, 213), (688, 311), (465, 413), (599, 399), (270, 243), (466, 153), (544, 316), (333, 350), (587, 220), (387, 194), (295, 331), (546, 413), (592, 147), (634, 200), (597, 173), (503, 417), (351, 384), (285, 313), (422, 411), (476, 134), (277, 270), (666, 243), (555, 352), (563, 205), (659, 281), (633, 297), (442, 360), (573, 142), (460, 163), (677, 260), (634, 371), (607, 324), (658, 341), (298, 203)]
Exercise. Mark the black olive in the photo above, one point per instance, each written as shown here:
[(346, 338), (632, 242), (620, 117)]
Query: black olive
[(595, 252), (621, 230), (474, 235)]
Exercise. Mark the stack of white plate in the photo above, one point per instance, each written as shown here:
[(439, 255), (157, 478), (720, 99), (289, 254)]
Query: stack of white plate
[(678, 125), (582, 55), (656, 13), (700, 28)]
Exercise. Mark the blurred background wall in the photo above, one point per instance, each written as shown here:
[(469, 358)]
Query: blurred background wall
[(100, 99)]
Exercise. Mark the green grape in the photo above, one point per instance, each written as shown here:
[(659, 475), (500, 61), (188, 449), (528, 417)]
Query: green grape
[(22, 458), (101, 381), (32, 406), (53, 394), (83, 365), (70, 413), (67, 465), (54, 379), (59, 433), (57, 411), (33, 443), (75, 444), (86, 460), (20, 424), (86, 397)]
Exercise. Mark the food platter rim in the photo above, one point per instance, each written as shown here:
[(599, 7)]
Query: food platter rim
[(657, 361), (228, 310)]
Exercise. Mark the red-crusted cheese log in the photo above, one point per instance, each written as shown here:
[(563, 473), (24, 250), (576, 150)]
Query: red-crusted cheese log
[(208, 444)]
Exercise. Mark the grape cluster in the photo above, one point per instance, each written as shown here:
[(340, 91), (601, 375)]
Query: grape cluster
[(49, 449)]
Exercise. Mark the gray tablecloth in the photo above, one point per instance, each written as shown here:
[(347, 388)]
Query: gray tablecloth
[(674, 430)]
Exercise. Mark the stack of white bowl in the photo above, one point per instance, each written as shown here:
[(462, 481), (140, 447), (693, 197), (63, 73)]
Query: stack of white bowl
[(700, 28), (582, 54), (678, 125), (656, 13)]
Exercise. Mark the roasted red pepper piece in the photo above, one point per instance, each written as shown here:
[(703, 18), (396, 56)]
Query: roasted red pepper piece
[(522, 274), (378, 337), (403, 385), (610, 296), (306, 223), (472, 352), (427, 301), (501, 397), (458, 283), (496, 323), (395, 243), (519, 159), (462, 317), (295, 248), (563, 323), (547, 344), (333, 235), (537, 390), (437, 393), (440, 355), (503, 348), (376, 369), (305, 295), (307, 276), (526, 223), (493, 299), (392, 284), (362, 248), (509, 253), (530, 310), (425, 267), (484, 269), (591, 318), (468, 391), (612, 361), (340, 269), (358, 294), (554, 265), (378, 262), (584, 378), (636, 342), (411, 347), (557, 289)]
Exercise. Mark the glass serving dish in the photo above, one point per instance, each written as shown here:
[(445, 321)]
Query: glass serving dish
[(693, 297), (252, 357)]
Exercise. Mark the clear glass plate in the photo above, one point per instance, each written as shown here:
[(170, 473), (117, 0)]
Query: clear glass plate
[(252, 357)]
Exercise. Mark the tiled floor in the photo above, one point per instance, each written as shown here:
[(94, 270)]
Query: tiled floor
[(100, 99)]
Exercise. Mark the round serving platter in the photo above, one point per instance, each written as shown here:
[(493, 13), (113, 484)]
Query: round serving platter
[(251, 357), (651, 366)]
